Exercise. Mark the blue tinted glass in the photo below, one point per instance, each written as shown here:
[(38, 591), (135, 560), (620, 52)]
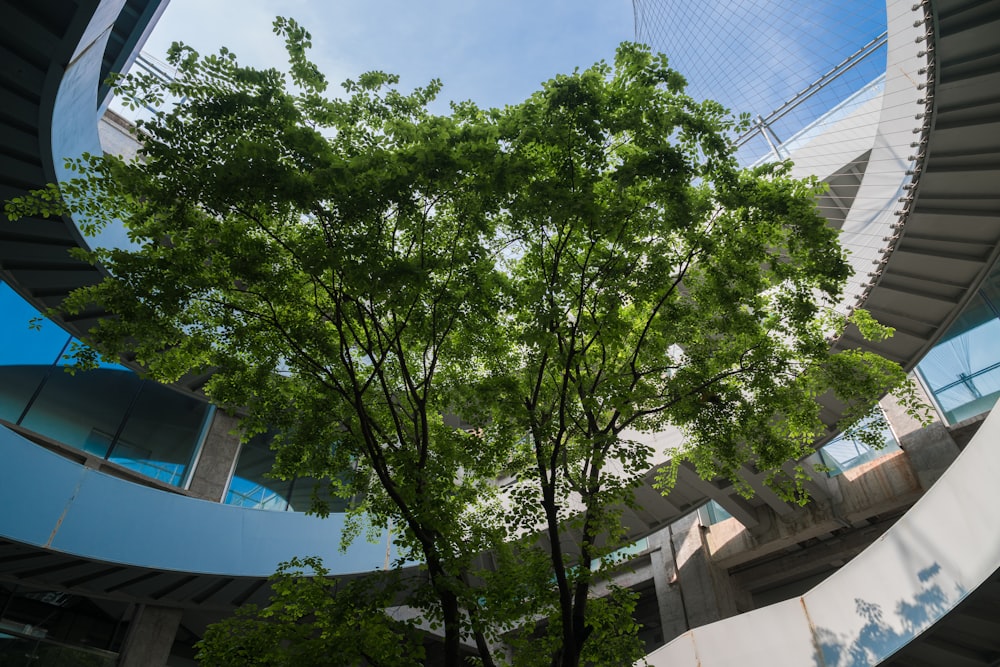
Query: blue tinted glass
[(843, 453), (84, 410), (18, 384), (963, 370), (19, 343), (304, 488), (76, 345), (251, 486), (100, 411), (258, 494), (161, 433), (716, 512), (27, 352)]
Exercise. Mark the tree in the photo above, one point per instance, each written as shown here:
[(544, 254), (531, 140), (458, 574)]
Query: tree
[(420, 303), (656, 284)]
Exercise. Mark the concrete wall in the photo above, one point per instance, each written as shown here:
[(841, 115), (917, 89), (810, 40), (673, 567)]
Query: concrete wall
[(217, 458)]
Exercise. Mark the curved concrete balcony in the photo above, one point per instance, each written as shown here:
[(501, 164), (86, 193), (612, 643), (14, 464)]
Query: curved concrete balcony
[(935, 558), (87, 530)]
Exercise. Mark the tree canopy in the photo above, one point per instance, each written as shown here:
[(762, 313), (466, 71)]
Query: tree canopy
[(422, 304)]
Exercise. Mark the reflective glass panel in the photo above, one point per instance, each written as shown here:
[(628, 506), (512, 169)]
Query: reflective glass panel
[(42, 628), (18, 383), (963, 370), (843, 453), (18, 651), (712, 512), (27, 352), (69, 358), (251, 486), (622, 554), (84, 410), (21, 341), (161, 433), (300, 498)]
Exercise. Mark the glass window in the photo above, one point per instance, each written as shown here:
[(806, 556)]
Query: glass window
[(251, 486), (621, 555), (113, 414), (18, 384), (108, 412), (42, 628), (843, 453), (712, 512), (23, 341), (161, 433), (300, 499), (85, 410), (963, 370), (28, 351)]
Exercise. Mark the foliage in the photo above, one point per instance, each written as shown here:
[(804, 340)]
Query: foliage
[(313, 620), (421, 304)]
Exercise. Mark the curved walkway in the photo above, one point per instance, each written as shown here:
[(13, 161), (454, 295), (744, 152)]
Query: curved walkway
[(937, 554), (80, 528)]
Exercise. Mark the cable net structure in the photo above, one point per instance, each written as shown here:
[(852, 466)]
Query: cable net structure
[(787, 63)]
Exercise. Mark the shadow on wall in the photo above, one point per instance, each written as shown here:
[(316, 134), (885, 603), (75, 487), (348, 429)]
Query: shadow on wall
[(880, 636)]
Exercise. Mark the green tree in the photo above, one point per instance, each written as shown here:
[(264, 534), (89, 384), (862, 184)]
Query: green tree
[(420, 304), (655, 284), (315, 620)]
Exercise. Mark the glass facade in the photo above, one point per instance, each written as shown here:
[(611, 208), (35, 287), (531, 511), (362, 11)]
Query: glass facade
[(962, 372), (252, 486), (26, 651), (113, 414), (55, 629), (109, 412), (843, 453)]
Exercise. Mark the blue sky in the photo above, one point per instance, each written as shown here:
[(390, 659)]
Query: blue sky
[(494, 53)]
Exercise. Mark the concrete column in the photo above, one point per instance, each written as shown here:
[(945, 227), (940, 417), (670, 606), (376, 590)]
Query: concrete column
[(903, 424), (150, 637), (931, 448), (708, 593), (690, 589), (669, 599), (217, 459)]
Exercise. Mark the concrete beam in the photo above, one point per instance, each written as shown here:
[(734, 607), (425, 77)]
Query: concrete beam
[(884, 485)]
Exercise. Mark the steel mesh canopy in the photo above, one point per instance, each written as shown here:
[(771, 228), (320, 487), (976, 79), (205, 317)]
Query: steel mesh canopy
[(755, 55)]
